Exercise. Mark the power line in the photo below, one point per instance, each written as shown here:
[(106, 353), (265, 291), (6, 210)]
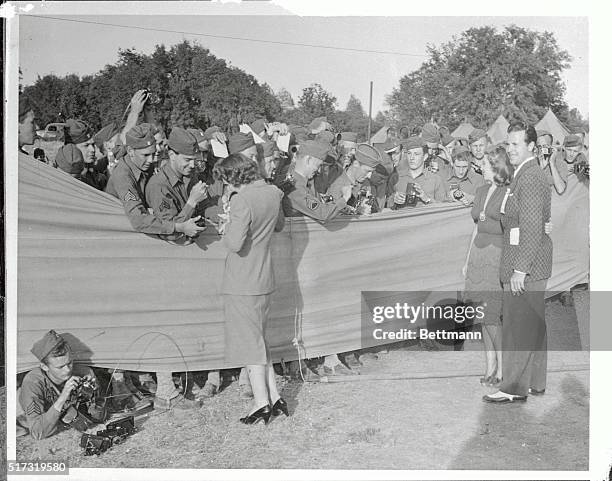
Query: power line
[(227, 37)]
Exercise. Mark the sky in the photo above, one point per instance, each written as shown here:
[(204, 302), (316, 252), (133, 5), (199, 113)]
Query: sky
[(61, 47)]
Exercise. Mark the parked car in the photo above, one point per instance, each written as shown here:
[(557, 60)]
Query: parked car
[(53, 131)]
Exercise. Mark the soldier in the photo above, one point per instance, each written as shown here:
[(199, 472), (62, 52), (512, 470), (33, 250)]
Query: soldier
[(243, 143), (354, 176), (26, 125), (461, 181), (128, 182), (437, 159), (46, 389), (410, 178), (301, 198), (478, 143)]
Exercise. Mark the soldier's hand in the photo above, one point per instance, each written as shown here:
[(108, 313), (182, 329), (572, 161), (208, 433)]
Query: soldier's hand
[(347, 191), (198, 193), (399, 198), (189, 228), (419, 190), (219, 137), (548, 228), (70, 385), (138, 100)]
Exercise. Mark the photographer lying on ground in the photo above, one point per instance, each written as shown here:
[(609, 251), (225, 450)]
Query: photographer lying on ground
[(46, 390)]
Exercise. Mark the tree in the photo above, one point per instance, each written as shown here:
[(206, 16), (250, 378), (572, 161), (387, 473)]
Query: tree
[(285, 99), (189, 87), (516, 72), (316, 101)]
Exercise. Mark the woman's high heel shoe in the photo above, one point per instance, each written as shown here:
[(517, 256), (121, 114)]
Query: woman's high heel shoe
[(262, 414), (280, 407)]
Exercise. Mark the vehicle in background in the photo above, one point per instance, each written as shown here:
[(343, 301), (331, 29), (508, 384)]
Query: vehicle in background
[(53, 131)]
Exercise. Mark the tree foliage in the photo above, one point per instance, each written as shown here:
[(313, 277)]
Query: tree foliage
[(482, 74), (189, 87)]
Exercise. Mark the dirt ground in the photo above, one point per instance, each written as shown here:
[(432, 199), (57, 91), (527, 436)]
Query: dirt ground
[(433, 418)]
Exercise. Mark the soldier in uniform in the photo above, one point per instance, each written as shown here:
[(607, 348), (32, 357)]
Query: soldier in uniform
[(437, 160), (354, 176), (551, 161), (461, 181), (410, 173), (46, 389), (301, 198), (478, 143), (128, 182), (243, 143)]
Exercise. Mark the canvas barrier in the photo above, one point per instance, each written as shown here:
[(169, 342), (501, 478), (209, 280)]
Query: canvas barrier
[(133, 301)]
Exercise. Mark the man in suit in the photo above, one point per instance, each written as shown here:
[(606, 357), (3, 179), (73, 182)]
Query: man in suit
[(525, 267)]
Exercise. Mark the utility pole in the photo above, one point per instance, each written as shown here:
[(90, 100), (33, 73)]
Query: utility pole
[(370, 114)]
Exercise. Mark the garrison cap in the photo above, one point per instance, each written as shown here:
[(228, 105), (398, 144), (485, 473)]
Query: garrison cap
[(208, 133), (367, 155), (140, 136), (430, 134), (325, 136), (240, 141), (259, 126), (70, 159), (318, 150), (413, 142), (183, 142), (316, 123), (198, 134), (106, 133), (77, 131), (44, 346), (475, 135)]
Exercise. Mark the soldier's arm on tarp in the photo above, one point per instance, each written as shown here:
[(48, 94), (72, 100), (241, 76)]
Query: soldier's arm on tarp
[(41, 423), (314, 207), (136, 211)]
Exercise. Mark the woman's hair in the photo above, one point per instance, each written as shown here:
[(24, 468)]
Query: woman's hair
[(236, 170), (501, 166)]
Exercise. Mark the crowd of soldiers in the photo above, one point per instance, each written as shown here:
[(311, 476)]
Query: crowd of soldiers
[(167, 188)]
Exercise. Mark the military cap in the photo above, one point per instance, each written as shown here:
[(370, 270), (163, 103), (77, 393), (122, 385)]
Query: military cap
[(198, 134), (413, 142), (430, 134), (460, 148), (106, 133), (269, 147), (240, 141), (367, 155), (318, 150), (208, 133), (316, 123), (475, 135), (70, 159), (348, 137), (325, 136), (183, 142), (572, 140), (259, 126), (43, 347), (140, 136), (77, 131)]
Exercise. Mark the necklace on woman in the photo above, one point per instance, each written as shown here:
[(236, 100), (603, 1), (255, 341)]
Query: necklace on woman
[(482, 216)]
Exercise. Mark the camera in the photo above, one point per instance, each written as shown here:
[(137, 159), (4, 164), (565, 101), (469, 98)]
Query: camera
[(582, 168), (458, 194), (545, 150), (115, 433), (84, 392), (201, 222)]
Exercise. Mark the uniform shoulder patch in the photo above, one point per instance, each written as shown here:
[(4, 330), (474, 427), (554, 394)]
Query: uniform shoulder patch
[(312, 204), (129, 195), (165, 205)]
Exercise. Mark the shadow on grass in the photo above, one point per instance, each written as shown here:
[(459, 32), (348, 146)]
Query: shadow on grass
[(512, 438)]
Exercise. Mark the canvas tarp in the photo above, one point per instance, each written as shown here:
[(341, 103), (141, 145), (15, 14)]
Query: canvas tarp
[(136, 302), (552, 124)]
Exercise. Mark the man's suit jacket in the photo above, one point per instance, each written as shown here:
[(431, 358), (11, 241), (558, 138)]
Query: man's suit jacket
[(255, 213), (527, 209)]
